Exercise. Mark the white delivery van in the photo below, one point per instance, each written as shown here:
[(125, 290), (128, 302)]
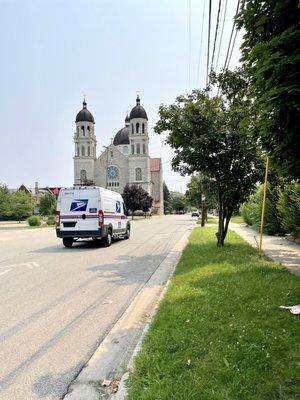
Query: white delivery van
[(90, 212)]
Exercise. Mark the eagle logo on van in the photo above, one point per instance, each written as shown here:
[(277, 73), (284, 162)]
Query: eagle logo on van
[(118, 206), (79, 205)]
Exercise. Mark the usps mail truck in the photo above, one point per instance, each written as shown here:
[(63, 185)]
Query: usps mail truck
[(90, 212)]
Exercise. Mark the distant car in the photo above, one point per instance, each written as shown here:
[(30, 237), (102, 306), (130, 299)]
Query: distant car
[(195, 213)]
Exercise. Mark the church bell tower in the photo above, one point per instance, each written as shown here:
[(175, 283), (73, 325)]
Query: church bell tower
[(139, 161), (85, 147)]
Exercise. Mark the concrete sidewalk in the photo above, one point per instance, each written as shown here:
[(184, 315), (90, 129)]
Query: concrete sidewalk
[(277, 248)]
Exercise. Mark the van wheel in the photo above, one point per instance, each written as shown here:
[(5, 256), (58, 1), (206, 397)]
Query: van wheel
[(108, 239), (68, 242), (127, 234)]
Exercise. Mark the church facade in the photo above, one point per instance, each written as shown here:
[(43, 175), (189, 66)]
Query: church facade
[(125, 161)]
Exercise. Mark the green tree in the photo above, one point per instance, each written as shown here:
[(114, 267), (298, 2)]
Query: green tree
[(167, 198), (4, 201), (21, 205), (289, 208), (201, 185), (47, 204), (178, 201), (210, 135), (272, 61), (136, 198)]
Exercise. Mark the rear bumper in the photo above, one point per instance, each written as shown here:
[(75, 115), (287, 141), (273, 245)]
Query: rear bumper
[(99, 233)]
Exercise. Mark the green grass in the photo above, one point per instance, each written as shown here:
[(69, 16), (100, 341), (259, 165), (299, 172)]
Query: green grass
[(210, 220), (238, 219), (219, 333)]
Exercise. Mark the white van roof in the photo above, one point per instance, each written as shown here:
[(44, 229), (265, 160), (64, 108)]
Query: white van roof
[(103, 191)]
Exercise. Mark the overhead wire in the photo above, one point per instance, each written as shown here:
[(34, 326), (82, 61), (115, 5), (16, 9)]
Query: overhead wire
[(229, 59), (230, 39), (201, 41), (221, 36), (216, 35), (208, 42)]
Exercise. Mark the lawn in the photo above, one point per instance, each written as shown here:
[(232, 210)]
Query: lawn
[(238, 219), (219, 332)]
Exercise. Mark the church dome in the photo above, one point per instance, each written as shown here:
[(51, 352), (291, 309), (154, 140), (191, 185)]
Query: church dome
[(84, 115), (122, 137), (138, 111)]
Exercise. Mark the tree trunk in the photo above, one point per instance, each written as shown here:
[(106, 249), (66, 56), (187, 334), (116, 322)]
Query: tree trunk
[(228, 217), (220, 234)]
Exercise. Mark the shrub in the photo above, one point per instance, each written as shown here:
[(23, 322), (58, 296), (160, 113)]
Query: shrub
[(289, 208), (251, 210), (51, 220), (34, 220)]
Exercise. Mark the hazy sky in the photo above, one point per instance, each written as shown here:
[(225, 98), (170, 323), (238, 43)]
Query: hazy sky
[(54, 51)]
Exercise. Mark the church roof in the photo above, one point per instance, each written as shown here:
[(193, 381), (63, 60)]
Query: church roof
[(122, 137), (138, 111), (84, 115), (155, 164)]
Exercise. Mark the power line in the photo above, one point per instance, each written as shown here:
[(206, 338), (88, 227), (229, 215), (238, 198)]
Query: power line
[(216, 35), (232, 48), (208, 41), (201, 41), (221, 36), (229, 44)]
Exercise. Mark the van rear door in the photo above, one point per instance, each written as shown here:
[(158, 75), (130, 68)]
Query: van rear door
[(79, 209), (87, 209)]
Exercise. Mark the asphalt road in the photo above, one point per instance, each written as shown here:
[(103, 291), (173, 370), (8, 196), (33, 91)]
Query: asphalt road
[(58, 304)]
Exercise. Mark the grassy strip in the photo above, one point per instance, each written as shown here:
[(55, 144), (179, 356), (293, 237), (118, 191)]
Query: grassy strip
[(238, 219), (219, 332), (210, 220)]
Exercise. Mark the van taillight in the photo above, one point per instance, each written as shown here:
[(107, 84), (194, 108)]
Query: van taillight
[(101, 217), (57, 218)]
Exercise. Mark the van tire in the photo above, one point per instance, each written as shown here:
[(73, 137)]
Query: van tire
[(127, 234), (67, 242), (108, 238)]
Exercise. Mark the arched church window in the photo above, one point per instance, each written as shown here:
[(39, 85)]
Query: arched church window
[(78, 153), (143, 128), (144, 148), (138, 174), (83, 175), (89, 151), (88, 128), (82, 151), (137, 127), (132, 149), (138, 148), (125, 150), (113, 173), (132, 129), (83, 132)]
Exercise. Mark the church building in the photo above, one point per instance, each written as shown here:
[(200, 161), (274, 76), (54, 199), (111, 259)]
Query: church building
[(125, 161)]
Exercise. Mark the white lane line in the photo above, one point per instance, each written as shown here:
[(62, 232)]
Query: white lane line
[(29, 265), (4, 272)]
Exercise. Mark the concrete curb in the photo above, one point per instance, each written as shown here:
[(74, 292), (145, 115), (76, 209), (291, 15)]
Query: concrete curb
[(104, 373)]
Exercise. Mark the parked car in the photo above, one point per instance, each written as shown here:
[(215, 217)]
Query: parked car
[(90, 212), (195, 213)]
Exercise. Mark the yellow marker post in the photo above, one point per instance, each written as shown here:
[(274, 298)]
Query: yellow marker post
[(262, 219)]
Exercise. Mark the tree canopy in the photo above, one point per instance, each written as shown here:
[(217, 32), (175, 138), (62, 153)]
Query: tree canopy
[(16, 205), (271, 57), (47, 204), (211, 135), (201, 185), (136, 198)]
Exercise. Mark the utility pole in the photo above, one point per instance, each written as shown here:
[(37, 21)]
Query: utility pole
[(262, 220)]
